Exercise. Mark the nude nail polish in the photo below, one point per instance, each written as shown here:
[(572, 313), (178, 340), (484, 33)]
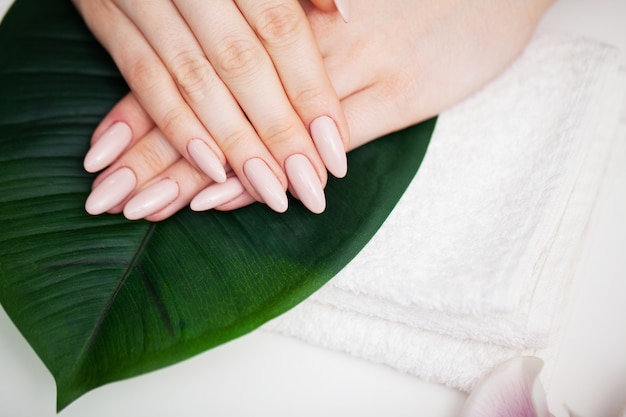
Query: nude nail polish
[(108, 147), (151, 200), (329, 145), (306, 183), (206, 160), (111, 192), (217, 194), (343, 7), (266, 184)]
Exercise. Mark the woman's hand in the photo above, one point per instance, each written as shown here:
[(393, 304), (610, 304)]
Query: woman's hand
[(391, 67), (238, 82)]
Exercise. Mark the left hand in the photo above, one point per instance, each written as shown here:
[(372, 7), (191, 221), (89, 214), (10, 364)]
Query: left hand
[(391, 67)]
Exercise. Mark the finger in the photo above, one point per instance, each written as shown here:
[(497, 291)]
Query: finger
[(216, 195), (124, 125), (243, 200), (152, 154), (379, 110), (286, 34), (341, 6), (170, 190), (243, 64), (167, 193), (368, 121), (205, 92), (156, 91)]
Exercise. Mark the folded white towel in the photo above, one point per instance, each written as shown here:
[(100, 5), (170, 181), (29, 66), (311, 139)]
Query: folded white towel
[(474, 264)]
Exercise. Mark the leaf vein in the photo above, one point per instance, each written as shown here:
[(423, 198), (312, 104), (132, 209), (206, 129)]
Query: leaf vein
[(94, 333)]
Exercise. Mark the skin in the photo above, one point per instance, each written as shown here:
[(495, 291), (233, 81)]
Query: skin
[(388, 70), (243, 76)]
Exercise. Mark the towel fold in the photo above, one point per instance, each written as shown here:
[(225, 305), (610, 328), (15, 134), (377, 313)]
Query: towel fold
[(475, 263)]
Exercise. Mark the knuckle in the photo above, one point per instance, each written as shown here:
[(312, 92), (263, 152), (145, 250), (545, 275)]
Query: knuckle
[(173, 122), (238, 58), (231, 142), (153, 159), (310, 97), (143, 75), (197, 179), (398, 91), (192, 75), (277, 24), (279, 134), (397, 95)]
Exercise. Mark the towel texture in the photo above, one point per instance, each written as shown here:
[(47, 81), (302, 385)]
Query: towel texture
[(474, 264)]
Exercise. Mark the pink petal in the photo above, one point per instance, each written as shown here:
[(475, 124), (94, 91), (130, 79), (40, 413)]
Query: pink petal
[(512, 389)]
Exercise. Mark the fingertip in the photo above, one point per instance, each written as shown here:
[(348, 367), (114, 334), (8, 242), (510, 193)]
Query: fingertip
[(243, 200), (324, 5), (129, 111), (341, 6)]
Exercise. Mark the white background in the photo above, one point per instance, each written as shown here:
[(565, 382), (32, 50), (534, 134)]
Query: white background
[(264, 374)]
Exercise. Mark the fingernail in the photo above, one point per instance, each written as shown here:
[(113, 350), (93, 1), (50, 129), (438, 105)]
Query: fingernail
[(111, 192), (154, 198), (217, 194), (108, 147), (266, 184), (206, 160), (330, 146), (306, 183), (343, 7)]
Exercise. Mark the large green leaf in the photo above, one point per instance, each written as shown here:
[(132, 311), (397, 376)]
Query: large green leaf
[(102, 298)]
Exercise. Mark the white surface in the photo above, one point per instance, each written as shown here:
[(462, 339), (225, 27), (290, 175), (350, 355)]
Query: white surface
[(267, 374), (471, 268)]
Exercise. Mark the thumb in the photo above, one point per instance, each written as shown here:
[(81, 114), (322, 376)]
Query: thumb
[(342, 6)]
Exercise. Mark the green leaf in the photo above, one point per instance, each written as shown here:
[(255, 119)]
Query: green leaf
[(102, 298)]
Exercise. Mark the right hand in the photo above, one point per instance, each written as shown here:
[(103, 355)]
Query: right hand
[(237, 82)]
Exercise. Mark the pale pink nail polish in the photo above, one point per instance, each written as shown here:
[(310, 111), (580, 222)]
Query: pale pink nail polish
[(343, 7), (154, 198), (217, 194), (266, 184), (111, 192), (206, 160), (306, 182), (329, 145), (108, 147)]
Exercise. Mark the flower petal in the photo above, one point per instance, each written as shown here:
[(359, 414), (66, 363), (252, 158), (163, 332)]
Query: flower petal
[(512, 389)]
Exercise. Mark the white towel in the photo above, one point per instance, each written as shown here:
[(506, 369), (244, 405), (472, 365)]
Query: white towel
[(474, 264)]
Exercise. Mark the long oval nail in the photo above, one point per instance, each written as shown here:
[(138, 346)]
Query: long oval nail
[(108, 147), (111, 192), (330, 146), (266, 184), (343, 7), (306, 183), (217, 194), (154, 198), (206, 160)]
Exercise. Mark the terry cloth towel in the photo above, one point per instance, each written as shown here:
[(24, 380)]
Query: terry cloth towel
[(474, 264)]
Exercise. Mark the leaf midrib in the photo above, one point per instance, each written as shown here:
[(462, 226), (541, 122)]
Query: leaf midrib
[(107, 308)]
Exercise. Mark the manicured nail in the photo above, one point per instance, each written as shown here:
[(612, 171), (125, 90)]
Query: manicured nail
[(328, 142), (217, 194), (111, 192), (266, 184), (343, 7), (108, 147), (306, 183), (154, 198), (206, 160)]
